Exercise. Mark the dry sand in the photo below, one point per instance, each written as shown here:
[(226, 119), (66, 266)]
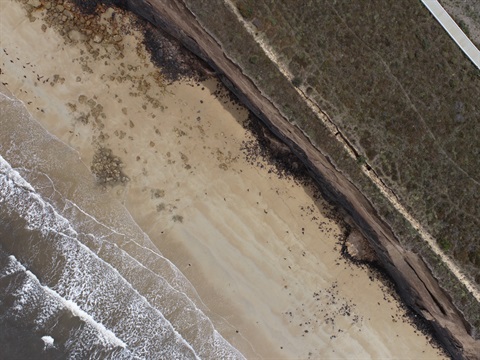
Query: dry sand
[(261, 251)]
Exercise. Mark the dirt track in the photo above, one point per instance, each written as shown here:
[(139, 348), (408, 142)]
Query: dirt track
[(417, 286)]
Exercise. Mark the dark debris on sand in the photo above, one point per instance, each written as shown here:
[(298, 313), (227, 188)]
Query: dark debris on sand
[(166, 52), (107, 167), (175, 61), (267, 148)]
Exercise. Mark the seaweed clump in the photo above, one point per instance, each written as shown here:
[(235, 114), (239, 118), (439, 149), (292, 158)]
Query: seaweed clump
[(108, 167)]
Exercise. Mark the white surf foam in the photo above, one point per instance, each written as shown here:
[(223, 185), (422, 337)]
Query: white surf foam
[(24, 201), (48, 341), (177, 289), (28, 287)]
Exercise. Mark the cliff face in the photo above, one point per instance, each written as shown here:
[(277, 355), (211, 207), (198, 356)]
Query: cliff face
[(415, 282)]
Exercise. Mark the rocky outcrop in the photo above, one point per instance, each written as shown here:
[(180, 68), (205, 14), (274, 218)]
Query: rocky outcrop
[(415, 282)]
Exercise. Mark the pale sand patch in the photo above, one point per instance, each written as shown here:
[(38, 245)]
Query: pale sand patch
[(259, 250)]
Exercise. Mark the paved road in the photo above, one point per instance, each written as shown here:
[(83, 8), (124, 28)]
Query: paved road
[(453, 30)]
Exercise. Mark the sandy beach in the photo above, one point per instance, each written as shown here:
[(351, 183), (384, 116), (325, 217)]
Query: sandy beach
[(261, 250)]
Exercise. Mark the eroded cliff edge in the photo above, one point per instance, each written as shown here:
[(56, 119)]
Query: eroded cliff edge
[(417, 285)]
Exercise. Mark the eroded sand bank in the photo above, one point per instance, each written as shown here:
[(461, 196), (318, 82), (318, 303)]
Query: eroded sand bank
[(260, 250)]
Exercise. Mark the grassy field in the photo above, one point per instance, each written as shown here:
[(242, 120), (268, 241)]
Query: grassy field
[(398, 88)]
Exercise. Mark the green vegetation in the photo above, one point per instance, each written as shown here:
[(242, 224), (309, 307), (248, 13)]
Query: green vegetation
[(445, 244), (296, 81), (246, 9), (463, 25), (361, 160), (399, 89)]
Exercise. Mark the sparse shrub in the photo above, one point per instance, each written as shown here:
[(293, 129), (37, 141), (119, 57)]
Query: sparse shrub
[(464, 27), (296, 81), (246, 9), (361, 160), (253, 59), (445, 244)]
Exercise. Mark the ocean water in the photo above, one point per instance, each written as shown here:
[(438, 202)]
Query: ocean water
[(78, 278)]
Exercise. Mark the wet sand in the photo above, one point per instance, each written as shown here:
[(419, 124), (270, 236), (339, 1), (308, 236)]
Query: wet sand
[(261, 250)]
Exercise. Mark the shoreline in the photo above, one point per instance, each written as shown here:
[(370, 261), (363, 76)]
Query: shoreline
[(183, 199)]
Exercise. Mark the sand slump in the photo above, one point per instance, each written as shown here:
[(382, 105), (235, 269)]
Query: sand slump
[(87, 264)]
